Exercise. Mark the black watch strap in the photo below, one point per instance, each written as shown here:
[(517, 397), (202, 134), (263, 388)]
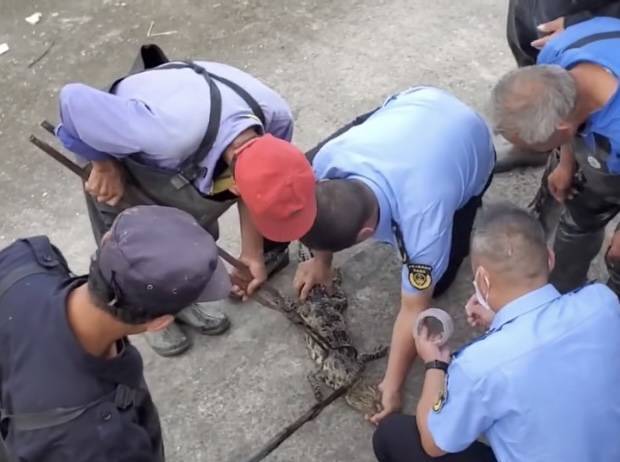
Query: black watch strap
[(436, 364)]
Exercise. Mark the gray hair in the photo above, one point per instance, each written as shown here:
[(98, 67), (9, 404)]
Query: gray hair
[(511, 240), (531, 101)]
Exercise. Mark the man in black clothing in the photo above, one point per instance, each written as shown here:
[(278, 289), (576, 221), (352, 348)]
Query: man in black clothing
[(71, 383)]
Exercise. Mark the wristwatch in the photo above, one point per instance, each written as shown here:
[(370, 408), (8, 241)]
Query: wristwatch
[(436, 364)]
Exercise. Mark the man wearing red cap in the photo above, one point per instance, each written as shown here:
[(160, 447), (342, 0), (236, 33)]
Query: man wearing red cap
[(196, 136)]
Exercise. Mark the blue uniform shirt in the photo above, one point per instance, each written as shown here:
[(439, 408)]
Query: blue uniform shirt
[(424, 154), (606, 53), (542, 385), (164, 114)]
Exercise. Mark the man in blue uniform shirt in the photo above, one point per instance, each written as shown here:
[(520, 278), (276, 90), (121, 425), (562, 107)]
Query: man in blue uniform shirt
[(172, 135), (540, 385), (570, 100), (412, 174), (71, 384)]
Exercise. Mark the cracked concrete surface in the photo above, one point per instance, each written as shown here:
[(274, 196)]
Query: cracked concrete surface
[(332, 60)]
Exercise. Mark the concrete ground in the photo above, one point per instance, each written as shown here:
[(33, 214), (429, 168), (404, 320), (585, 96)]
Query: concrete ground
[(332, 60)]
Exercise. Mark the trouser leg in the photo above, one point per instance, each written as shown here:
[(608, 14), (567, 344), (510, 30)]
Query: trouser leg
[(578, 238), (397, 439), (462, 227)]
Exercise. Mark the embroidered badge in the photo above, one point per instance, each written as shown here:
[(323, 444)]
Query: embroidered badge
[(420, 276), (442, 398)]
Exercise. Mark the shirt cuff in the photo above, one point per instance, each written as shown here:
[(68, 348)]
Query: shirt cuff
[(78, 147)]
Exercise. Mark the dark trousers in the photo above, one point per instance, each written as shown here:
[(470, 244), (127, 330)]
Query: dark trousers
[(462, 227), (397, 439), (579, 238)]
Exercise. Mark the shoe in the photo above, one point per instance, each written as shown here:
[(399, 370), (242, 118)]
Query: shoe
[(510, 157), (171, 341), (207, 320)]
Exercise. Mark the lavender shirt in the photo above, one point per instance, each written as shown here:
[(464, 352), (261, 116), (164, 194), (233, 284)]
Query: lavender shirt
[(164, 115)]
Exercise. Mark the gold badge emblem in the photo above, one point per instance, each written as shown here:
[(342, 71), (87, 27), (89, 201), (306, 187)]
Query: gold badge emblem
[(420, 276), (441, 399)]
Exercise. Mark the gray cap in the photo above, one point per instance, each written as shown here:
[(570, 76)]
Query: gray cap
[(158, 260)]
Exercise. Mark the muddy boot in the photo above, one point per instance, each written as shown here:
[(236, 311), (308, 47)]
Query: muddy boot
[(510, 157), (204, 318), (168, 342)]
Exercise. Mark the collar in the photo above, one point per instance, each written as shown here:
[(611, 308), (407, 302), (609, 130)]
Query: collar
[(529, 302), (384, 226)]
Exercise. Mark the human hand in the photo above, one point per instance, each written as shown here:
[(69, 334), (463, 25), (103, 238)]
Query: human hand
[(391, 401), (105, 182), (551, 28), (245, 284), (311, 273), (428, 347), (560, 182), (613, 252), (477, 315)]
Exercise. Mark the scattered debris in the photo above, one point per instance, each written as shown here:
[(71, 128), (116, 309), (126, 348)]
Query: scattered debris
[(42, 55), (149, 33), (34, 18), (4, 47)]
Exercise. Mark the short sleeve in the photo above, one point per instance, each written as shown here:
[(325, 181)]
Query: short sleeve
[(428, 238), (463, 416)]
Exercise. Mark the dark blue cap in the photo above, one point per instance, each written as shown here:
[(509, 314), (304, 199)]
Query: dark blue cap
[(160, 260)]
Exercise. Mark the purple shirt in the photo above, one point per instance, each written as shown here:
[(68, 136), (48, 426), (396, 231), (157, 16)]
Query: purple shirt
[(164, 114)]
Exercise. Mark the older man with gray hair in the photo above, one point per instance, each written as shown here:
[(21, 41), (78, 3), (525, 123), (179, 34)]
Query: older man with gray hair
[(570, 101)]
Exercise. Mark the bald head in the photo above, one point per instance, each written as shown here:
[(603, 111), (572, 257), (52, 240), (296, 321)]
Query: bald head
[(510, 243), (529, 103)]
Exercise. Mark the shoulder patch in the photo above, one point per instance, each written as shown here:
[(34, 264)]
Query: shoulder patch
[(420, 276)]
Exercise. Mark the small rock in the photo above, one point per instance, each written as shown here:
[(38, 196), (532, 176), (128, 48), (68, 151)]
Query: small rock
[(34, 18), (54, 14), (4, 47)]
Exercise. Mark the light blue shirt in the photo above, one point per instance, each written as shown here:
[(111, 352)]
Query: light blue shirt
[(424, 154), (543, 384), (606, 53), (164, 114)]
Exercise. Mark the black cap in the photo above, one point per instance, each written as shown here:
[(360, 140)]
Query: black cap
[(158, 260)]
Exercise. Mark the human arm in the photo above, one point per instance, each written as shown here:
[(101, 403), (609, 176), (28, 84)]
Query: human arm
[(251, 255), (100, 126), (433, 389), (560, 180), (402, 351), (316, 271)]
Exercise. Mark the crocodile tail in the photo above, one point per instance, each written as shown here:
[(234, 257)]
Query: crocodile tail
[(377, 353), (303, 253)]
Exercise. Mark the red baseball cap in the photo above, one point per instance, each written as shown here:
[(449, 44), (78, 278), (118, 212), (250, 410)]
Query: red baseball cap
[(276, 183)]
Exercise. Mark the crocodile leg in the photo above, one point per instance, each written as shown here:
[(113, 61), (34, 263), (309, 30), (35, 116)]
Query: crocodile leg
[(315, 380)]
